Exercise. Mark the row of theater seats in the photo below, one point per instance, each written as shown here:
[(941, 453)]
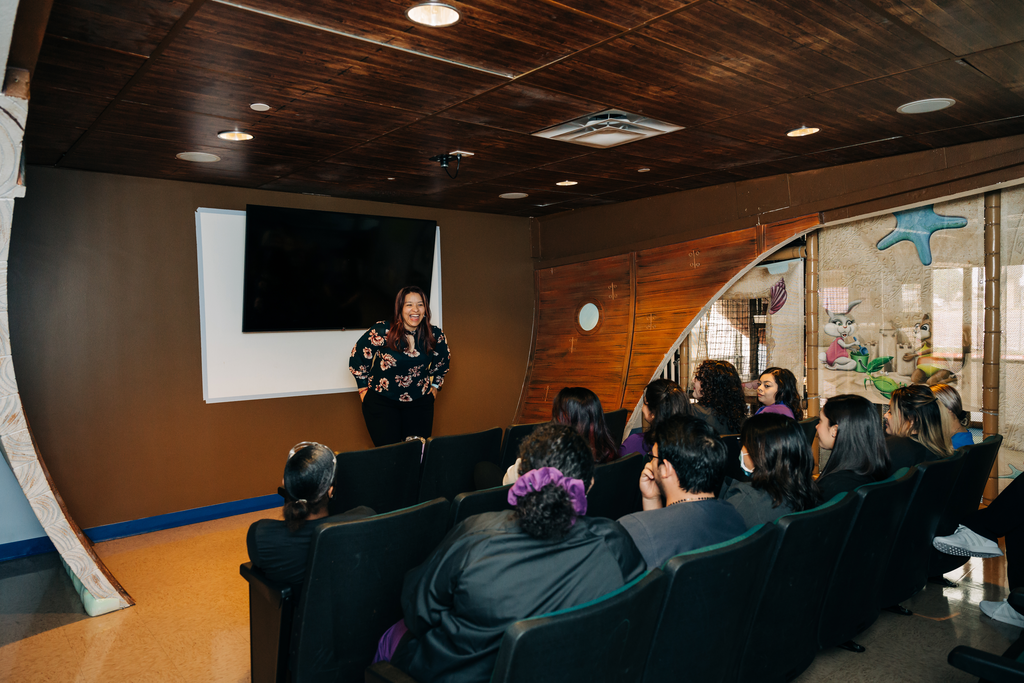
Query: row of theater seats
[(394, 477), (755, 608)]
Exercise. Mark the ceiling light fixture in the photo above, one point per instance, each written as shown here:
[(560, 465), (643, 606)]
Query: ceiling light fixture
[(802, 131), (259, 106), (432, 14), (445, 159), (567, 183), (513, 195), (198, 157), (643, 170), (234, 135), (609, 128), (926, 106)]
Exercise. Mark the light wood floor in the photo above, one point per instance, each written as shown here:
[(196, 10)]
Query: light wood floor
[(191, 618)]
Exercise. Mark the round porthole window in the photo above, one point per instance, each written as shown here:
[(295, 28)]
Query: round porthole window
[(589, 316)]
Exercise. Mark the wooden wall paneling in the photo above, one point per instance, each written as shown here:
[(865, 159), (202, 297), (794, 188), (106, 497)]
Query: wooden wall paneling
[(566, 356), (673, 285), (776, 234)]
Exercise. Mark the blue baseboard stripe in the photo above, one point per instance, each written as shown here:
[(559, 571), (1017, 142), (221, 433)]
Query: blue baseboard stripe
[(108, 532)]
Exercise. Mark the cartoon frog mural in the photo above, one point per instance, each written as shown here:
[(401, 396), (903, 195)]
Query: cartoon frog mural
[(843, 327)]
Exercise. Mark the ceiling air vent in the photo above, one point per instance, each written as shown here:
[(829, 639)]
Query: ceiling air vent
[(608, 128)]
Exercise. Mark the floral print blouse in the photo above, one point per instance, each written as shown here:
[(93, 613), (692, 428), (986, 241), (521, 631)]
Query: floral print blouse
[(399, 375)]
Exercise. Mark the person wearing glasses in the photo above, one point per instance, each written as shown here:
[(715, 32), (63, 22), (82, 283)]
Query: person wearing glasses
[(280, 548), (681, 512)]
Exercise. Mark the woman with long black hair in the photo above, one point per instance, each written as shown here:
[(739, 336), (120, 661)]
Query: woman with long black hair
[(850, 427), (399, 368)]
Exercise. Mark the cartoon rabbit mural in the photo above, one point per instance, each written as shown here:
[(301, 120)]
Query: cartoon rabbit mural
[(843, 327)]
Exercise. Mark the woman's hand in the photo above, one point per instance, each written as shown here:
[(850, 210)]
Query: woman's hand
[(433, 390), (362, 394), (649, 490)]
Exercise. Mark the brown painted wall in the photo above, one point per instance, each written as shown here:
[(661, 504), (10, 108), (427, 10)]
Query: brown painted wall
[(104, 316)]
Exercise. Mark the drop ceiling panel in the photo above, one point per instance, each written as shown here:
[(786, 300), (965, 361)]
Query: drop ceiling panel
[(85, 69), (136, 27), (522, 108), (962, 26)]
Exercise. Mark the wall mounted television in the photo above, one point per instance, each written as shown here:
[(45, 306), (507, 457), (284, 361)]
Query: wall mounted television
[(321, 270)]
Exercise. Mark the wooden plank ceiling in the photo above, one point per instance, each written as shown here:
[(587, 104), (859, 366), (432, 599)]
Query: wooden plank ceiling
[(360, 97)]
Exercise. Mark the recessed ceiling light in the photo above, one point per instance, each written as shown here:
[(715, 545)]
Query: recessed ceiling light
[(513, 195), (234, 135), (802, 131), (259, 106), (643, 170), (200, 157), (567, 183), (925, 106), (390, 178), (433, 14)]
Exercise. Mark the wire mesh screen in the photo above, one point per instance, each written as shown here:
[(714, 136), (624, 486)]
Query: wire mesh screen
[(735, 330)]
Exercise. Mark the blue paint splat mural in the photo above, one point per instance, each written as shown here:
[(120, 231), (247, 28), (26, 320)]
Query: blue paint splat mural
[(917, 226)]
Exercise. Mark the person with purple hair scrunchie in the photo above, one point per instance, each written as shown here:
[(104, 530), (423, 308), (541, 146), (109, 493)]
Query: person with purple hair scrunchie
[(499, 567)]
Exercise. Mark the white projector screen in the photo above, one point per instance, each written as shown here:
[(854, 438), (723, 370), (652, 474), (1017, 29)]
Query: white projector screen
[(242, 367)]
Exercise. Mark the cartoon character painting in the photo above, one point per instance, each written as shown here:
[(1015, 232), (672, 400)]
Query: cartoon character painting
[(928, 370), (843, 327)]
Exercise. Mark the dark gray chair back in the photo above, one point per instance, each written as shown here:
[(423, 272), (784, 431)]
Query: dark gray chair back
[(907, 570), (604, 641), (708, 608), (732, 464), (616, 423), (353, 586), (616, 490), (809, 426), (783, 635), (271, 610), (449, 461), (514, 436), (475, 502), (851, 604), (965, 498), (385, 478)]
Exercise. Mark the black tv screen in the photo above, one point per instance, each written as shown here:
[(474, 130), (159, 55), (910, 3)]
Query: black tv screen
[(320, 270)]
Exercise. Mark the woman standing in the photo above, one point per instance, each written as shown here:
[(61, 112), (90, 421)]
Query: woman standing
[(850, 428), (399, 369), (777, 393), (719, 393)]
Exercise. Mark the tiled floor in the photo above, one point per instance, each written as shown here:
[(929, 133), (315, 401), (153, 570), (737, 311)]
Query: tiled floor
[(191, 618)]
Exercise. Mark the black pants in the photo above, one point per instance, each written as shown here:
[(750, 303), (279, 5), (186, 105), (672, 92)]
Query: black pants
[(1004, 518), (391, 421)]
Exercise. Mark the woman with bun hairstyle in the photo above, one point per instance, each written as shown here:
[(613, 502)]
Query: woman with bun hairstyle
[(399, 367), (949, 397), (917, 426), (850, 427), (662, 398), (719, 393), (777, 392), (280, 548), (499, 567), (778, 458)]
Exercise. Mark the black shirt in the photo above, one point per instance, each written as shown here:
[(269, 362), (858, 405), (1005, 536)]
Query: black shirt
[(905, 452), (841, 482)]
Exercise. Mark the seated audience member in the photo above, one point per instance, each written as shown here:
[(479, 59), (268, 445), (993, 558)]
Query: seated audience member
[(777, 393), (662, 399), (280, 548), (960, 419), (778, 458), (678, 486), (719, 393), (579, 408), (850, 428), (977, 537), (917, 427), (499, 567)]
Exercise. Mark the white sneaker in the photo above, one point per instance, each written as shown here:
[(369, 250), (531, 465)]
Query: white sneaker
[(966, 543), (1001, 611)]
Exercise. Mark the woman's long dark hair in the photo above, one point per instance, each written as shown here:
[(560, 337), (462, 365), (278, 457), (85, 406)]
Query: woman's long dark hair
[(548, 514), (424, 332), (787, 393), (860, 440), (580, 408), (722, 391), (783, 463), (664, 398), (308, 476)]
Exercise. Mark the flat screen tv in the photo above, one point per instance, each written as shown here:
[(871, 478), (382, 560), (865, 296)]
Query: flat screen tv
[(320, 270)]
